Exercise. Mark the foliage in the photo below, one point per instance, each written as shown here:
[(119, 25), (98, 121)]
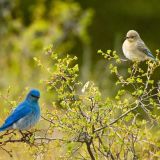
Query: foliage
[(25, 33), (111, 116), (83, 125)]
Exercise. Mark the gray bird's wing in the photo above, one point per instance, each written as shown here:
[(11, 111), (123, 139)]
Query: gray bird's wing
[(143, 48)]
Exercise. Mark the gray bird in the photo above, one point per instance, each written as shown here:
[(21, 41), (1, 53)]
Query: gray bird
[(135, 49)]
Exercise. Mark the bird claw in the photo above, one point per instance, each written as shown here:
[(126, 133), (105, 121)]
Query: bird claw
[(26, 134)]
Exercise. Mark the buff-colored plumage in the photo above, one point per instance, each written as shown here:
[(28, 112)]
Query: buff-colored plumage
[(134, 48)]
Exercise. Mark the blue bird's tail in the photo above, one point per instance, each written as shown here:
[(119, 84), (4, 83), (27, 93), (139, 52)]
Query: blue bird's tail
[(3, 127)]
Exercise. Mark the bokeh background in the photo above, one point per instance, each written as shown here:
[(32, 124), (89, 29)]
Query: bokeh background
[(73, 27)]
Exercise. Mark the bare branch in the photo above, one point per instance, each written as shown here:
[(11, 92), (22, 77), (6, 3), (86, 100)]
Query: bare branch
[(116, 120)]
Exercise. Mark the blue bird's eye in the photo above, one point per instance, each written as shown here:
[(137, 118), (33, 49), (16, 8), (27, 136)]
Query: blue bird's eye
[(34, 96)]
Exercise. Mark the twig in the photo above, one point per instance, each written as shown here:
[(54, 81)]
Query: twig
[(117, 119)]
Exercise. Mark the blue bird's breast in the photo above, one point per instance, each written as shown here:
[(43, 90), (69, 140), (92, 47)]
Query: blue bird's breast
[(29, 120)]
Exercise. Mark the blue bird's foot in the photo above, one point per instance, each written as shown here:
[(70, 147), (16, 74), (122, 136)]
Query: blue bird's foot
[(26, 134)]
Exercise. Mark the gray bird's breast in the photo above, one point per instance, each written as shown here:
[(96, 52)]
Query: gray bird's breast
[(132, 53)]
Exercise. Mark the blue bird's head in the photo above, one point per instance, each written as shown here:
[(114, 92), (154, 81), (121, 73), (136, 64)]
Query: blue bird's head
[(33, 95)]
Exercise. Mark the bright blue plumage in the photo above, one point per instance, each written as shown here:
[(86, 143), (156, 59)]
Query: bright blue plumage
[(25, 115)]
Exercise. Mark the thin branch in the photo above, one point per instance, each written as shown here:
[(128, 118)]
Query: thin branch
[(9, 152), (117, 119), (90, 151)]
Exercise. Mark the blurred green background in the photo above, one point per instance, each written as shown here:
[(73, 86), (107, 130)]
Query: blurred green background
[(73, 27)]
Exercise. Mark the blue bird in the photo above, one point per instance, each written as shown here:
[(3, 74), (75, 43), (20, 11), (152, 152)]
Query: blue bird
[(25, 115)]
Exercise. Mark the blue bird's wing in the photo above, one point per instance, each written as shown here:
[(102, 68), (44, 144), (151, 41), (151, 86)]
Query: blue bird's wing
[(143, 48), (21, 111)]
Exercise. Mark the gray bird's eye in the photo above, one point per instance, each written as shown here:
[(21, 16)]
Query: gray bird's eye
[(132, 37)]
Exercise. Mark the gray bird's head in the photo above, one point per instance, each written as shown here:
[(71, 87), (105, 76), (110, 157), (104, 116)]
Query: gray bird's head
[(33, 95), (132, 36)]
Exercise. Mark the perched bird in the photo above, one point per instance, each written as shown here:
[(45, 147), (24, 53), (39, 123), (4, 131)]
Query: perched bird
[(25, 115), (135, 49)]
